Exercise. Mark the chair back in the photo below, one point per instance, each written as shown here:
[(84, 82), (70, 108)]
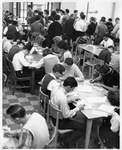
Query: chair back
[(6, 69), (49, 63), (44, 99), (4, 79), (98, 61), (55, 112), (13, 74)]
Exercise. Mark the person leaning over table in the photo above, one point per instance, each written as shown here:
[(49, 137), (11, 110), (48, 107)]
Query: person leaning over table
[(109, 130), (73, 118), (34, 133), (72, 70), (109, 77), (21, 64), (50, 80), (15, 49)]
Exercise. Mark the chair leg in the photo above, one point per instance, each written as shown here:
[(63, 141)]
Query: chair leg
[(14, 88)]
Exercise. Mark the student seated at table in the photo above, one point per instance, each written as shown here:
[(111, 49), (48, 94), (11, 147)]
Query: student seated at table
[(21, 64), (108, 76), (109, 130), (48, 60), (72, 70), (105, 54), (73, 118), (106, 41), (50, 80), (34, 133), (15, 49), (64, 51), (37, 44)]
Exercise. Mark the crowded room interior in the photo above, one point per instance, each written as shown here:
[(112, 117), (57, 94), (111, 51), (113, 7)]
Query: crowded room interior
[(60, 75)]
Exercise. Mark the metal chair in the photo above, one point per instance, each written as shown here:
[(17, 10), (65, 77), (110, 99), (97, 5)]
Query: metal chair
[(88, 61), (57, 114), (15, 79)]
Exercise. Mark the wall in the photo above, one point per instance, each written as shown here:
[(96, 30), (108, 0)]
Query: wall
[(68, 5)]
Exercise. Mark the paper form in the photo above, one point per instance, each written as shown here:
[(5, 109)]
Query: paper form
[(106, 108), (96, 99)]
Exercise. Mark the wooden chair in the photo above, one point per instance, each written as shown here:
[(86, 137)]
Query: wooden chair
[(15, 79), (6, 69), (88, 61), (4, 79), (57, 114), (43, 104), (102, 145), (50, 143)]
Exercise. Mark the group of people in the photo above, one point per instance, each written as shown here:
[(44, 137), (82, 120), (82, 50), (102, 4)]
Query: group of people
[(51, 36)]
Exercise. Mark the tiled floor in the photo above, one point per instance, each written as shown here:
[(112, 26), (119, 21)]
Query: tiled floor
[(30, 103)]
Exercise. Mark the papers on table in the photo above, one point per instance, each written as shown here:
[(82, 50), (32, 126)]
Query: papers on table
[(99, 113), (87, 105), (84, 88), (4, 140), (106, 108), (96, 99)]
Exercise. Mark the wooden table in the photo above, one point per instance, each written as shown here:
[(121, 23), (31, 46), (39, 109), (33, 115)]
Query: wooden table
[(36, 57), (94, 49), (88, 112)]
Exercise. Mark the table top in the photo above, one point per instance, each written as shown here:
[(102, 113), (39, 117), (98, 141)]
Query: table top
[(90, 92), (95, 49)]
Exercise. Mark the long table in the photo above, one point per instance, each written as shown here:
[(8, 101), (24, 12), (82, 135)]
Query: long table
[(94, 49), (88, 112)]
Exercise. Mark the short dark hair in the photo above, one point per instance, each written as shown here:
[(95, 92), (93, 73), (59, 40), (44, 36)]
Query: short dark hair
[(47, 51), (10, 36), (16, 111), (67, 10), (75, 11), (114, 98), (82, 16), (69, 61), (58, 68), (47, 11), (103, 19), (70, 81), (63, 45), (110, 19), (57, 17), (20, 42), (104, 69), (111, 46)]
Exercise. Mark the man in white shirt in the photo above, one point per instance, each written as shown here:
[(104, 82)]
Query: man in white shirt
[(106, 42), (72, 70), (20, 64), (80, 26), (73, 118), (34, 133)]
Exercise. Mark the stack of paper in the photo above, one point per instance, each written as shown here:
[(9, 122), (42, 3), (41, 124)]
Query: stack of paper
[(106, 108), (96, 99), (84, 88), (99, 113)]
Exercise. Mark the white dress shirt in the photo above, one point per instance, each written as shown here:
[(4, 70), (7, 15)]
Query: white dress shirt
[(19, 61), (80, 25), (107, 43)]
